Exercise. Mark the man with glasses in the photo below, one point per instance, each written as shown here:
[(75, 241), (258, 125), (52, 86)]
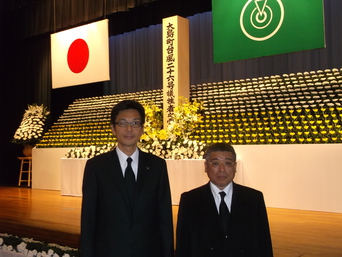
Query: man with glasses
[(126, 206), (222, 218)]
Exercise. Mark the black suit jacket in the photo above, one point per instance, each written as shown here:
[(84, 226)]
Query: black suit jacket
[(199, 233), (109, 227)]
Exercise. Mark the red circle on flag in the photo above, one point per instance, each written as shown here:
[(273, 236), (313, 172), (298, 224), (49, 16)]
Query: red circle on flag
[(78, 55)]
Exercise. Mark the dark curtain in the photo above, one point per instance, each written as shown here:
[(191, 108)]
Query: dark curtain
[(37, 17), (25, 79), (136, 61)]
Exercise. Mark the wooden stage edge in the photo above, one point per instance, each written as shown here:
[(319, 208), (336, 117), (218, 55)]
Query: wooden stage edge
[(47, 216)]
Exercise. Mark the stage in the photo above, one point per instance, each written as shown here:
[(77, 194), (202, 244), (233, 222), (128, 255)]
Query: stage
[(47, 216), (305, 177)]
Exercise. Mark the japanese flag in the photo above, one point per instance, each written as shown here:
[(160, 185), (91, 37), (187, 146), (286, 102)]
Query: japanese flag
[(80, 55)]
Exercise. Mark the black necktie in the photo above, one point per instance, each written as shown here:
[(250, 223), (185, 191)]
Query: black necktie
[(130, 181), (224, 213)]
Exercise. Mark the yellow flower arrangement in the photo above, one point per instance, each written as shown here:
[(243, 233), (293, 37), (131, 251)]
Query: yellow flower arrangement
[(170, 143), (173, 142)]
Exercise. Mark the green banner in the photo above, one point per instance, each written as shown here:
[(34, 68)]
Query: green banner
[(244, 29)]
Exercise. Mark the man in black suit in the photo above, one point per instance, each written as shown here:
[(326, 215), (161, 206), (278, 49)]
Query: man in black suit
[(222, 218), (126, 206)]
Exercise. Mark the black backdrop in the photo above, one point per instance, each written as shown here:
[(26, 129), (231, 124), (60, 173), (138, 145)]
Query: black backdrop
[(25, 70)]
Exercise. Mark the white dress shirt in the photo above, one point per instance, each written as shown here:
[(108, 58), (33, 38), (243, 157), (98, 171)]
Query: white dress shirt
[(123, 161), (216, 193)]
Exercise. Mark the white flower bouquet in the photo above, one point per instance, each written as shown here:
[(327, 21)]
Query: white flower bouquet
[(31, 127), (30, 247)]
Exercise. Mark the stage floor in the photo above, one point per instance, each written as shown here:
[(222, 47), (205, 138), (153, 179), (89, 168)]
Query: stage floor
[(47, 216)]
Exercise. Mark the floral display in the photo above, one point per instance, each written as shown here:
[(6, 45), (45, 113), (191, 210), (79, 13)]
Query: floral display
[(33, 248), (301, 108), (173, 142), (31, 127), (167, 149), (170, 143), (280, 126), (89, 151)]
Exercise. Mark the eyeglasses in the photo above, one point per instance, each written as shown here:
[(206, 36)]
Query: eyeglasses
[(133, 124), (216, 164)]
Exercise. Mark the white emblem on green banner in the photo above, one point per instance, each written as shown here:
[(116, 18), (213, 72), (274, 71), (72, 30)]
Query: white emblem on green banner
[(246, 29)]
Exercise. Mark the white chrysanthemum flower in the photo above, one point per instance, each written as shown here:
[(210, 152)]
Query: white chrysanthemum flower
[(31, 124), (21, 247)]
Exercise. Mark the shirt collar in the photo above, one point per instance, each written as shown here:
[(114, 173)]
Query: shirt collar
[(229, 193), (123, 159), (123, 156), (215, 190)]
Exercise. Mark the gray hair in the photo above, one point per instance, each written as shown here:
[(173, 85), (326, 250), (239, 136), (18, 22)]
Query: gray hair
[(219, 147)]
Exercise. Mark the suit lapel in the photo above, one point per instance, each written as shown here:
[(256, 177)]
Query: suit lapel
[(211, 214), (238, 208), (116, 173), (143, 169), (235, 207)]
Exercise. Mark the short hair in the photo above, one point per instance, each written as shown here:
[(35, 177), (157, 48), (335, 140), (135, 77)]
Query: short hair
[(219, 147), (127, 105)]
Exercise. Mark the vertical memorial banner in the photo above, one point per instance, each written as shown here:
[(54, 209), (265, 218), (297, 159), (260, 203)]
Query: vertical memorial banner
[(244, 29), (176, 64), (80, 55)]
